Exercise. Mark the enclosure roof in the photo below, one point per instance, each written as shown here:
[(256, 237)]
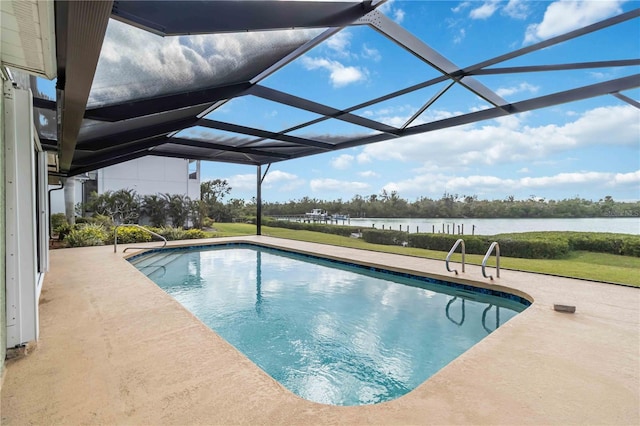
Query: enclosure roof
[(139, 78)]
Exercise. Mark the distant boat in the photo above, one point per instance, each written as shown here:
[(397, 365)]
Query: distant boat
[(317, 215)]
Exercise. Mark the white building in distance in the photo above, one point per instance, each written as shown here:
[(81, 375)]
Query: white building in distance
[(147, 176)]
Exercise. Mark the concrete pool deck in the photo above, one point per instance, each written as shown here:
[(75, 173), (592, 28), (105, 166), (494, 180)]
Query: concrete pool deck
[(115, 349)]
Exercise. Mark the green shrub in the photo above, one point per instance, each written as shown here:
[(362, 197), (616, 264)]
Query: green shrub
[(444, 242), (62, 231), (170, 233), (597, 242), (130, 234), (58, 220), (194, 234), (100, 219), (631, 247), (387, 237), (533, 248), (207, 222), (87, 235), (342, 230)]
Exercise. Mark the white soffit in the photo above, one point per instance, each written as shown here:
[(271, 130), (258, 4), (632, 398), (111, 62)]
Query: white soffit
[(28, 36)]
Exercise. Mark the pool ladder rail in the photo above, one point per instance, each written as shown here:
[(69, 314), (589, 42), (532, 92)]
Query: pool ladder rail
[(486, 257), (115, 238), (460, 241), (494, 245)]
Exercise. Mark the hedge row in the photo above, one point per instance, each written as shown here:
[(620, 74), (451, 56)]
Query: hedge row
[(528, 245), (92, 234), (390, 238), (533, 248), (598, 242), (342, 230)]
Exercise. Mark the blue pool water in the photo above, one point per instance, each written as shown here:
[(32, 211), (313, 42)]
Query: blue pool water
[(330, 332)]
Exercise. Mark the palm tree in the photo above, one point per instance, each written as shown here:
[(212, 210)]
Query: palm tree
[(155, 208), (178, 208)]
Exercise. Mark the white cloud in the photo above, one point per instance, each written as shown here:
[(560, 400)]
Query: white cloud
[(276, 179), (342, 162), (398, 115), (145, 65), (485, 11), (566, 15), (246, 182), (457, 39), (340, 43), (319, 185), (371, 53), (459, 8), (281, 181), (627, 178), (477, 184), (522, 87), (523, 170), (517, 9), (369, 174), (339, 74), (389, 8), (510, 140), (363, 158)]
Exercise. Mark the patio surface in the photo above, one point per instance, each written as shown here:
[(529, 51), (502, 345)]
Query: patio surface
[(116, 349)]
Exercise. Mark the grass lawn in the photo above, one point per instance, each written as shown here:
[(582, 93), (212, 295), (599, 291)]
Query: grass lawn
[(580, 264)]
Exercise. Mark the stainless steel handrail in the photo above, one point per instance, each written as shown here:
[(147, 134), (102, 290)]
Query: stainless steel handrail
[(115, 238), (451, 252), (486, 257)]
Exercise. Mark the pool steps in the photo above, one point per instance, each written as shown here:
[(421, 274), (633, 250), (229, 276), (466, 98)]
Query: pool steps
[(152, 263)]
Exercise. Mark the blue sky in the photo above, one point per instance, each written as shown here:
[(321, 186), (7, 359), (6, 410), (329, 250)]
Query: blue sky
[(588, 149)]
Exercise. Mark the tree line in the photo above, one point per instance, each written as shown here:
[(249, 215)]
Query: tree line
[(126, 206), (391, 205)]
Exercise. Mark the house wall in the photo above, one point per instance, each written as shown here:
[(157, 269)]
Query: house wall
[(147, 175), (3, 316)]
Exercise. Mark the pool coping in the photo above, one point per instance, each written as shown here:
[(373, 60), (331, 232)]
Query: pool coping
[(110, 333)]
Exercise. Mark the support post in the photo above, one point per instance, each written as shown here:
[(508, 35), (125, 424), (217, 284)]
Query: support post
[(259, 202), (70, 199)]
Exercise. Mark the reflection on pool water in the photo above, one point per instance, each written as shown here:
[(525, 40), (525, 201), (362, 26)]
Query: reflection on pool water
[(329, 332)]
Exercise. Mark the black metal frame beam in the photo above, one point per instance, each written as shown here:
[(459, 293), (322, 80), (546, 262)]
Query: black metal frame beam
[(80, 27), (120, 150), (213, 145), (585, 92), (199, 17), (97, 144), (204, 97), (326, 111), (557, 67), (228, 127), (110, 161), (160, 153), (80, 31)]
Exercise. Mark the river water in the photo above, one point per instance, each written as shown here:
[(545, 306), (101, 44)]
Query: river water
[(625, 225)]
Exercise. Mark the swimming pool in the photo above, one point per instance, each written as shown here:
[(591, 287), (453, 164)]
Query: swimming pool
[(331, 332)]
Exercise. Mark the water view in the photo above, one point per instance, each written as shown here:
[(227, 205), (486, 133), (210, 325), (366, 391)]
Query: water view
[(623, 225)]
